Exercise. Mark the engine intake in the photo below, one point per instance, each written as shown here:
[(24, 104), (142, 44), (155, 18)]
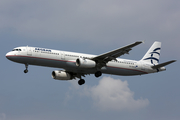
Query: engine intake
[(61, 75), (85, 63)]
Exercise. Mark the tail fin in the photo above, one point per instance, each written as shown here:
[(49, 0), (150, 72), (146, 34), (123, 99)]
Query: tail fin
[(153, 54)]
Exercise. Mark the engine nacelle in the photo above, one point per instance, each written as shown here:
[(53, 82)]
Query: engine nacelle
[(85, 63), (61, 75)]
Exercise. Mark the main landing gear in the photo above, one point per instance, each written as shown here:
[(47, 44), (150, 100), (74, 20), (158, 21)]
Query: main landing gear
[(98, 74), (26, 70), (81, 81)]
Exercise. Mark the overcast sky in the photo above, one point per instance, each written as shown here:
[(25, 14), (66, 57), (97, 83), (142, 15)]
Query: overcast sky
[(95, 27)]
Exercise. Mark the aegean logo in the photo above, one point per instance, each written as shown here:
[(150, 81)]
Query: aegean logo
[(153, 58)]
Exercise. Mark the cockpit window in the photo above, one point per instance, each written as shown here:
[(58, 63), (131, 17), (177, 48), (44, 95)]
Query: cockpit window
[(16, 50)]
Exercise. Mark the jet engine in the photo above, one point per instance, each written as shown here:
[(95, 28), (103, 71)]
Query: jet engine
[(85, 63), (61, 75)]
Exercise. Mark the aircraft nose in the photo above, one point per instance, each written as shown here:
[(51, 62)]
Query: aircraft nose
[(8, 55)]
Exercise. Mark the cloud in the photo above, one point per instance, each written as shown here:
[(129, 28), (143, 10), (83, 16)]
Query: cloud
[(2, 116), (94, 22), (91, 20), (111, 94)]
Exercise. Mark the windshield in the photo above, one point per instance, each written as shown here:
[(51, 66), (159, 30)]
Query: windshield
[(16, 50)]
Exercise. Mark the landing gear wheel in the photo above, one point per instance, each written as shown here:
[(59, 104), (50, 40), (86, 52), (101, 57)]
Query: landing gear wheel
[(98, 74), (25, 71), (81, 81)]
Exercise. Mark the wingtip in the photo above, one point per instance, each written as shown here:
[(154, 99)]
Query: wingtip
[(174, 60), (141, 41)]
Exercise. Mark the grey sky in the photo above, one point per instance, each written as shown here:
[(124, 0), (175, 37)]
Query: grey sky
[(89, 26)]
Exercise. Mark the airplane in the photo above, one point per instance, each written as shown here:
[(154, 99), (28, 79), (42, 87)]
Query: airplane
[(77, 65)]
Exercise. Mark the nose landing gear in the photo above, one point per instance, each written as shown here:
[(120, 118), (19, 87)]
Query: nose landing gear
[(26, 70)]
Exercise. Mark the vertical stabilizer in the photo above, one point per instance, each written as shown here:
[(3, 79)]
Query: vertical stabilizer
[(153, 54)]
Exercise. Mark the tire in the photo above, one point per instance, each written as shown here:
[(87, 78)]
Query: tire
[(98, 74), (81, 81)]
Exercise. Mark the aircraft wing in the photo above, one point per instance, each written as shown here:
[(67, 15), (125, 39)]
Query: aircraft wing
[(112, 55)]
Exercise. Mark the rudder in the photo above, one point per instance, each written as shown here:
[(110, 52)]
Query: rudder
[(153, 54)]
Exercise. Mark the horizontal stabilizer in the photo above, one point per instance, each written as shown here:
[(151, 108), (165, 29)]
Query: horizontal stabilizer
[(163, 64)]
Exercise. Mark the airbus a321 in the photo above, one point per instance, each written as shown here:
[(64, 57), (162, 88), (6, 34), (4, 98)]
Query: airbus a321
[(77, 65)]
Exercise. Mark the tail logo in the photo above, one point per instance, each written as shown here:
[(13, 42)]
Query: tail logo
[(153, 58)]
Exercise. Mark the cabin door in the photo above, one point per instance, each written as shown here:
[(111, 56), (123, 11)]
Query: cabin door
[(29, 51)]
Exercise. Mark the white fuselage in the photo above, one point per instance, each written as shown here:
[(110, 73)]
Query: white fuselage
[(67, 60)]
